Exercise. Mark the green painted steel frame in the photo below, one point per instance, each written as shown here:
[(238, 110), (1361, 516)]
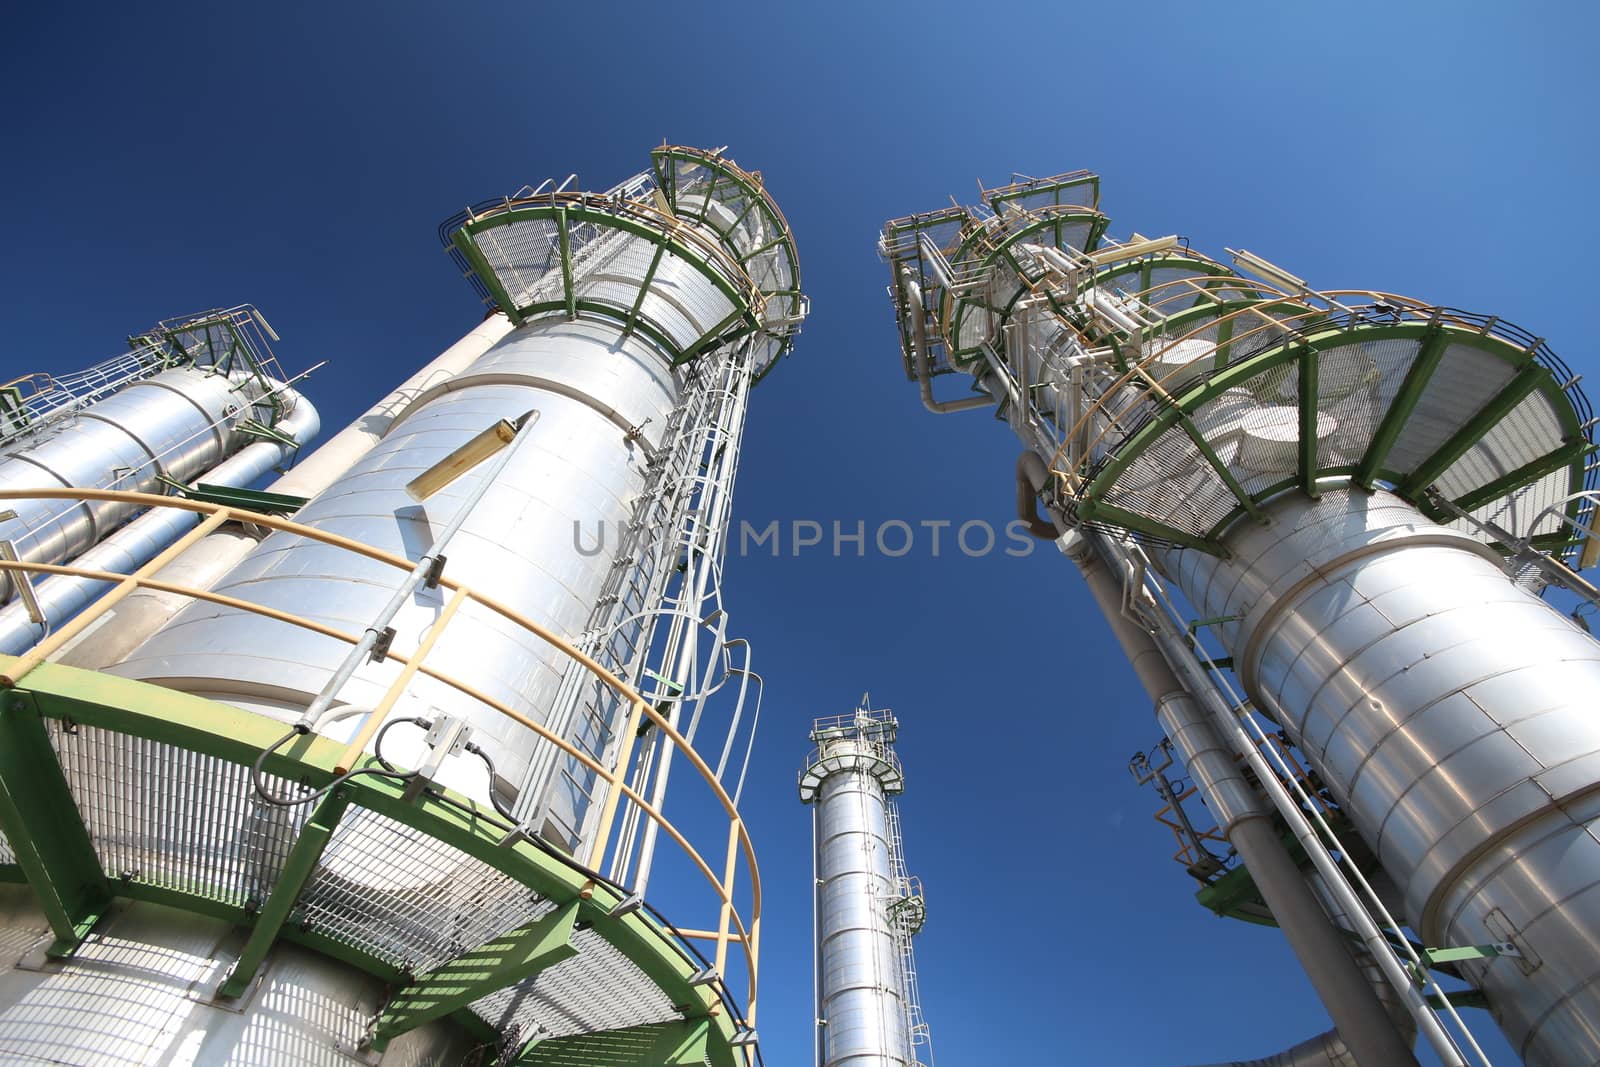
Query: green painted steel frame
[(42, 825), (86, 698), (571, 305), (1005, 239), (1434, 337)]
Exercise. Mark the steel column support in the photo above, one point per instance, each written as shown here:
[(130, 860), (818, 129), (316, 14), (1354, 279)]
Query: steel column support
[(1400, 408), (1321, 948), (42, 823), (297, 871)]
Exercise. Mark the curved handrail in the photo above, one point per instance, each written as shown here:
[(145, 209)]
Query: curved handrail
[(733, 926)]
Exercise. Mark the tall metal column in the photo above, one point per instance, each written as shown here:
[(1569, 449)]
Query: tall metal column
[(1359, 495), (866, 908), (356, 802)]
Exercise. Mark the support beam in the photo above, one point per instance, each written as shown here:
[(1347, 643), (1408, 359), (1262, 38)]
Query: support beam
[(46, 832), (644, 289), (1434, 342), (464, 243), (566, 263), (1310, 399), (670, 1044), (1527, 474), (506, 960), (1461, 442), (297, 871)]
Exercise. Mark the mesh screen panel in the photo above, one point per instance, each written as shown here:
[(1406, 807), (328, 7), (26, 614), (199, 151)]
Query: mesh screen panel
[(6, 855), (409, 899), (1465, 380), (598, 989), (171, 817), (1531, 430), (521, 254)]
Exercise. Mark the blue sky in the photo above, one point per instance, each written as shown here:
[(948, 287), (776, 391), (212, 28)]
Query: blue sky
[(160, 159)]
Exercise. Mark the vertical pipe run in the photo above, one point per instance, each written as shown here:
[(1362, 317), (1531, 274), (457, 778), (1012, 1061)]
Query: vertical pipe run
[(1359, 1016)]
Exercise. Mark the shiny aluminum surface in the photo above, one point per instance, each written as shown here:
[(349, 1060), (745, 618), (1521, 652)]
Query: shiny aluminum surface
[(138, 994), (530, 543), (1452, 714), (62, 596), (177, 423), (861, 1007)]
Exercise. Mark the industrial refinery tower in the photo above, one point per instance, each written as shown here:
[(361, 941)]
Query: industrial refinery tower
[(867, 909), (1359, 497), (370, 767)]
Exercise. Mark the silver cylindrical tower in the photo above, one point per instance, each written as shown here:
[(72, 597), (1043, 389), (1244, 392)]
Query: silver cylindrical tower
[(1360, 496), (716, 290), (868, 1013), (386, 788), (187, 396)]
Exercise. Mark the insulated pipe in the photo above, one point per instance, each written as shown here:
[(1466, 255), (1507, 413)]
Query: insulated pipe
[(1349, 998), (132, 622), (177, 423), (63, 596), (1452, 715), (919, 358)]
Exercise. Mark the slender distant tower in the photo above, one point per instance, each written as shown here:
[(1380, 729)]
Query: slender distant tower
[(1359, 497), (867, 908), (370, 766)]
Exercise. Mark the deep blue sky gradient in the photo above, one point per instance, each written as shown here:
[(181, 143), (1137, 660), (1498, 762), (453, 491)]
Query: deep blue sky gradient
[(162, 158)]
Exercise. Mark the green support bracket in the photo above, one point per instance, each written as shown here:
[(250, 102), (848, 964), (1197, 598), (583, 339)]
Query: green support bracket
[(248, 499), (1433, 957), (1310, 397), (1524, 475), (1434, 342), (566, 263), (1211, 457), (644, 289), (670, 1044), (254, 428), (1092, 510), (297, 871), (506, 960), (45, 829), (1471, 952), (491, 281), (1461, 442)]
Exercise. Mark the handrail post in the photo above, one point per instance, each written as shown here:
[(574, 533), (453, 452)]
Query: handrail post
[(728, 870), (608, 811), (358, 744)]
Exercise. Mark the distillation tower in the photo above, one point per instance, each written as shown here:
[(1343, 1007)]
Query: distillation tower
[(1355, 499), (370, 766), (867, 907)]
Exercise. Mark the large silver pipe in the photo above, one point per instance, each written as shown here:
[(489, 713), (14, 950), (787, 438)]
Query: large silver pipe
[(176, 424), (582, 463), (1450, 713), (131, 622), (63, 596), (1357, 1013), (861, 1005)]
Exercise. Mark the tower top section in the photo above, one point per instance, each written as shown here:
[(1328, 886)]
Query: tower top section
[(861, 741), (692, 254), (1174, 395)]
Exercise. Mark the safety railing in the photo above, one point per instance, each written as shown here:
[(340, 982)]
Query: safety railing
[(732, 929)]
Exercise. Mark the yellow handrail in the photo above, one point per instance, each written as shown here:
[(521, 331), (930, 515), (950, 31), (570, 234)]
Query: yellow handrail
[(732, 927)]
